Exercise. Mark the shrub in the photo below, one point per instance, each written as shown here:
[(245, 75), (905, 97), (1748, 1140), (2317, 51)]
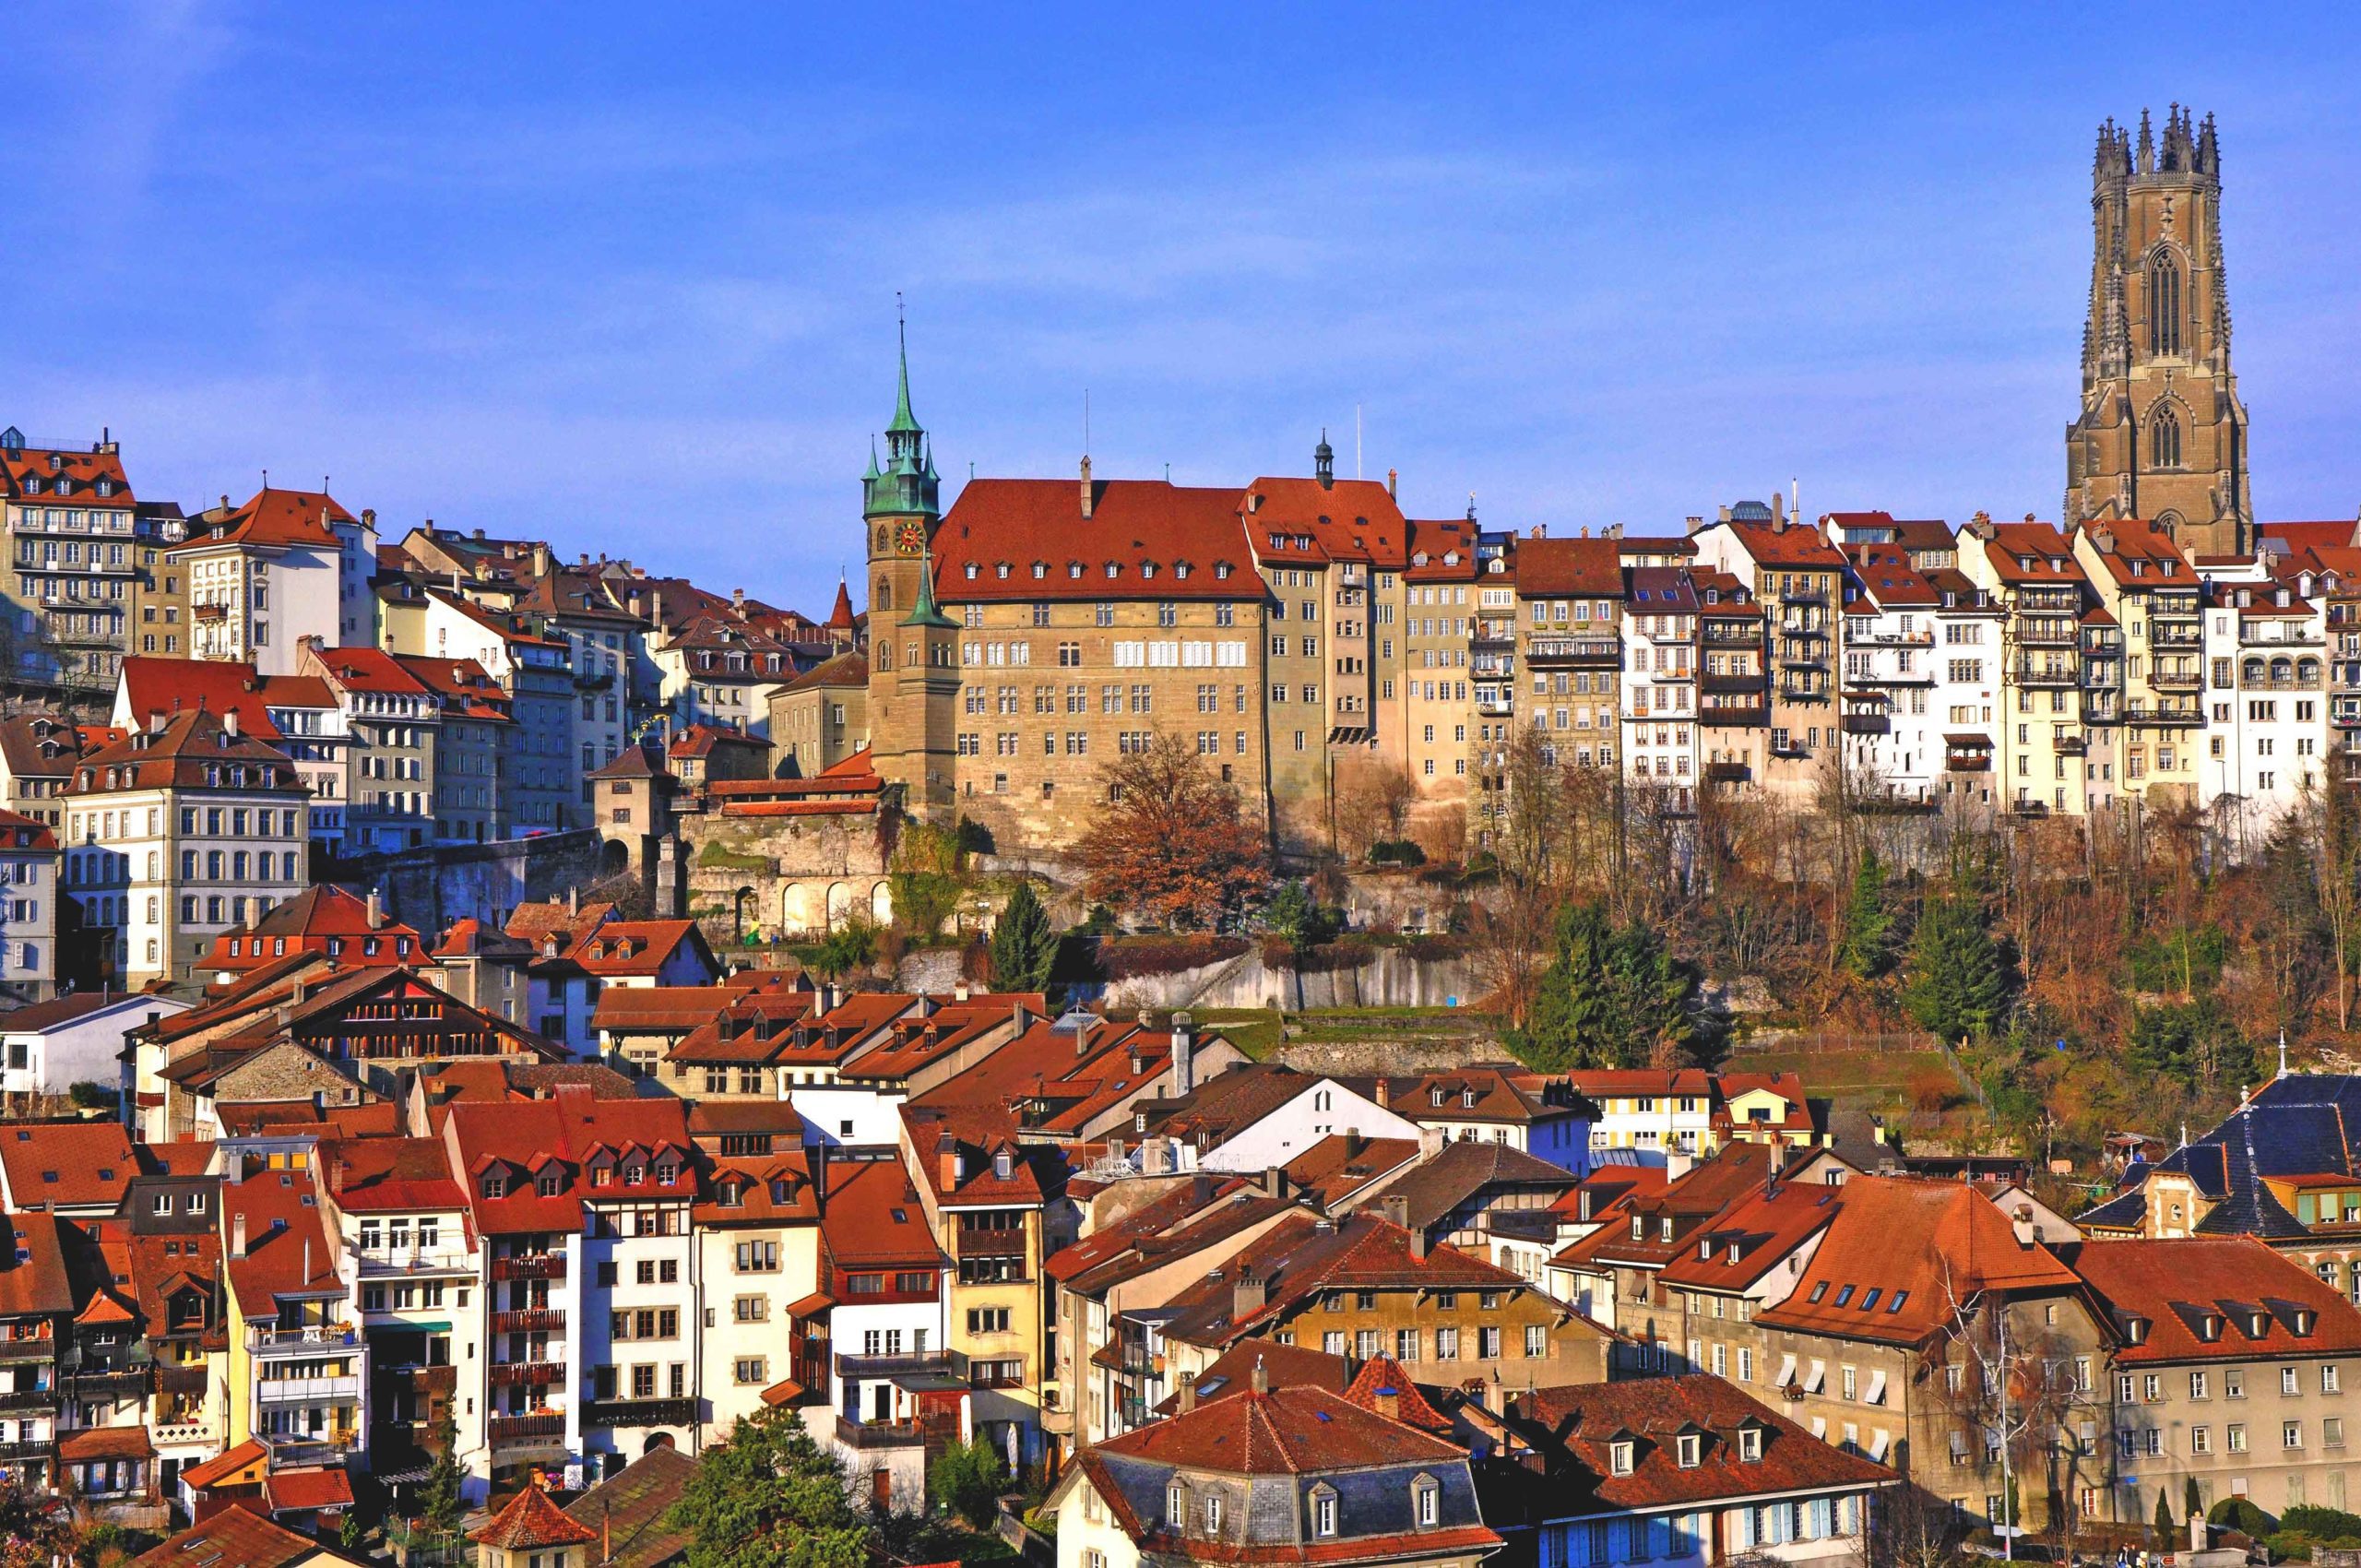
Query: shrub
[(2241, 1515), (1933, 1092), (2320, 1524), (1129, 958), (1397, 852)]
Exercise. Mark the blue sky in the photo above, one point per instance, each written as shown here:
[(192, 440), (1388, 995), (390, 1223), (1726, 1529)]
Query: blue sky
[(623, 275)]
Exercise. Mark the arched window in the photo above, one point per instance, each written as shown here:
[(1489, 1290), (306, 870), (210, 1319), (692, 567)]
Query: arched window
[(2164, 304), (2163, 439)]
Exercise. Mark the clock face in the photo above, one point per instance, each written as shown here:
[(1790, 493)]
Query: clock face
[(912, 539)]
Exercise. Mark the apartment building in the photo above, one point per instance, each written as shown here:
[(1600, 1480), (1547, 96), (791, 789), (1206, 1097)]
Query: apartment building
[(1968, 689), (471, 744), (71, 525), (757, 1231), (158, 623), (1442, 587), (393, 725), (1733, 682), (413, 1268), (541, 790), (1797, 577), (1660, 631), (2030, 569), (989, 1212), (2266, 654), (298, 1366), (575, 605), (820, 718), (894, 1386), (2230, 1368), (1893, 728), (2154, 598), (1492, 660), (263, 576), (179, 831), (1570, 605), (29, 863)]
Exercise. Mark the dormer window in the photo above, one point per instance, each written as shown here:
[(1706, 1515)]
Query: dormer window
[(1002, 1165), (1619, 1456), (1324, 1512), (1114, 568), (495, 1184), (1638, 1227), (972, 571), (1750, 1443), (1221, 571), (1040, 569), (1426, 1501), (1001, 569), (551, 1184), (1664, 1229), (1074, 568), (1689, 1450)]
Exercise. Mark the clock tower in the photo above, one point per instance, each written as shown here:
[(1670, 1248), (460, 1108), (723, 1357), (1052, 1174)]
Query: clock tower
[(913, 652)]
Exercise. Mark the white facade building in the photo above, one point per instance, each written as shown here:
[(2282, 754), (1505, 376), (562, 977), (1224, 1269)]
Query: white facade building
[(1660, 684)]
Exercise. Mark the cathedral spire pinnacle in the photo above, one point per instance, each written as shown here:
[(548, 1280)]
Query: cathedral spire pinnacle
[(903, 419), (2147, 146)]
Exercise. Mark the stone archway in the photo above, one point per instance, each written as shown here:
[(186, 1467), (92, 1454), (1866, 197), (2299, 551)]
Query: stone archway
[(839, 904), (881, 905), (742, 906)]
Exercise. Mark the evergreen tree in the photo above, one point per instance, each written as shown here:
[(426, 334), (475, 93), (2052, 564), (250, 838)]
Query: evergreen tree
[(1869, 924), (1957, 981), (769, 1497), (441, 1503), (2163, 1514), (1023, 944), (966, 1479), (2192, 1502), (1294, 916), (1610, 997)]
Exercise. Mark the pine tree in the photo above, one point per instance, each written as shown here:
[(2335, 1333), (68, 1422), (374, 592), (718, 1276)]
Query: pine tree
[(1023, 944), (1869, 924), (1956, 983), (1612, 996)]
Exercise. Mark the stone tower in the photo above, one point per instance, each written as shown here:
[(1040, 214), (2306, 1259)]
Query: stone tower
[(2161, 433), (913, 666)]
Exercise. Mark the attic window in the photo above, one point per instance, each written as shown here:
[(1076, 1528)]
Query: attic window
[(1002, 1165), (495, 1186), (1869, 1302), (1817, 1290), (1147, 569), (1001, 569), (1896, 1305), (1113, 568), (1074, 568), (1619, 1456), (1689, 1449), (1040, 569), (1181, 569), (1843, 1295), (1638, 1227), (1750, 1443), (971, 571), (1221, 571), (551, 1184)]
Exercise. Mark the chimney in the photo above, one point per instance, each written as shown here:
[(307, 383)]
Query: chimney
[(541, 560), (376, 910), (1393, 477), (607, 1533), (1397, 1210), (738, 599), (1354, 1142), (959, 993), (573, 899), (307, 1260), (1188, 1379), (1274, 1181), (1389, 1403), (1184, 1054), (1384, 1093), (1418, 1243), (1089, 496), (1262, 1381), (1020, 1017), (230, 722), (237, 1235), (950, 1165)]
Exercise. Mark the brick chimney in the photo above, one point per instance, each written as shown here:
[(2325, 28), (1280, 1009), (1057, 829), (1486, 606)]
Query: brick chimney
[(1089, 497), (1188, 1379), (376, 910)]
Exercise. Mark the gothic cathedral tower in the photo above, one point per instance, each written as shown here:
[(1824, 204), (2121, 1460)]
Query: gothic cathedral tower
[(913, 656), (2162, 434)]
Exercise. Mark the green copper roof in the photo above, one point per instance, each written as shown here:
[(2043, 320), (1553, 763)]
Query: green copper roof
[(904, 421), (925, 612)]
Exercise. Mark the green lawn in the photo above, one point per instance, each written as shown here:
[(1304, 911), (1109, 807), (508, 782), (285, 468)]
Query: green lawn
[(1256, 1031)]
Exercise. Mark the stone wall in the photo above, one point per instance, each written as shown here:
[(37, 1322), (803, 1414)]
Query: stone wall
[(1389, 1055), (792, 876), (431, 887), (1390, 978)]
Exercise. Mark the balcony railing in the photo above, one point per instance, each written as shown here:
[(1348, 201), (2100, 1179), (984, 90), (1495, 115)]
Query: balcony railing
[(951, 1363), (640, 1413), (527, 1375), (1573, 650), (1727, 772), (537, 1426), (1968, 762), (1868, 724), (529, 1320), (414, 1260), (2162, 635), (168, 1433), (41, 1349), (22, 1399), (878, 1435), (2045, 674), (1495, 707), (1751, 715), (2279, 683), (991, 1244), (271, 1390), (290, 1449), (119, 1383), (2177, 680), (530, 1265), (2037, 633), (295, 1341)]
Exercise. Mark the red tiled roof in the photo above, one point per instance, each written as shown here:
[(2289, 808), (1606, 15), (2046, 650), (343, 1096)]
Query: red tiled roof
[(1902, 1254), (531, 1520), (366, 1175), (873, 1219), (973, 1137), (2203, 1299), (234, 1537), (68, 1163), (284, 1230), (1796, 544), (179, 756), (1134, 525), (371, 670), (1583, 1422), (1287, 1431), (1348, 519), (1339, 1166), (2050, 554), (274, 519), (558, 1136), (1560, 568), (1382, 1380), (27, 467), (227, 1463), (105, 1443), (308, 1489)]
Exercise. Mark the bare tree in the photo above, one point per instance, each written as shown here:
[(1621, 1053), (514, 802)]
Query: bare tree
[(1373, 801), (1511, 926), (2335, 833), (2015, 1387)]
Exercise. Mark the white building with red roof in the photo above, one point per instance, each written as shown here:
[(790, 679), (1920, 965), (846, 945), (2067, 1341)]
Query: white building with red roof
[(286, 566), (72, 523)]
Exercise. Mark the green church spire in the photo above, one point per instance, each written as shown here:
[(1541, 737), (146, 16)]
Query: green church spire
[(907, 485), (925, 612)]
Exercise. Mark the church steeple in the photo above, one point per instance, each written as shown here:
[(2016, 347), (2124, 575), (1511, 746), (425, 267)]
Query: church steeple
[(907, 486), (2161, 433)]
